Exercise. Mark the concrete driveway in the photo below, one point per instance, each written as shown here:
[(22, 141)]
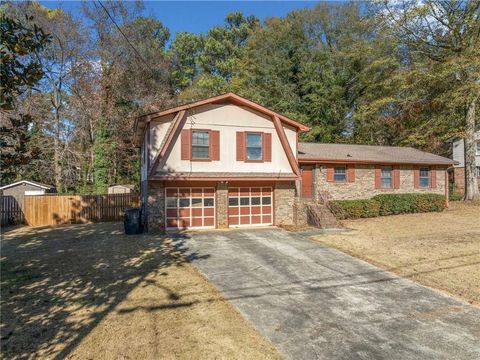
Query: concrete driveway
[(315, 302)]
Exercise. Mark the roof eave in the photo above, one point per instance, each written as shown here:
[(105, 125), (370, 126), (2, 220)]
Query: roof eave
[(353, 161)]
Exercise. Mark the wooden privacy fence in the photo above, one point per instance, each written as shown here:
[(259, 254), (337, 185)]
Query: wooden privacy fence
[(11, 210), (44, 210)]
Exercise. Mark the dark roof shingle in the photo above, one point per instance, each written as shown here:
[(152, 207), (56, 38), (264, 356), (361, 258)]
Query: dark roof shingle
[(368, 153)]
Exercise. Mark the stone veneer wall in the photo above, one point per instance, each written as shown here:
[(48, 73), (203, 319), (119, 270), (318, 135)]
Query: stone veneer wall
[(156, 206), (459, 176), (364, 185), (222, 205), (284, 203)]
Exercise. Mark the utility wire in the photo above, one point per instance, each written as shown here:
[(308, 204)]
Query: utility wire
[(121, 32)]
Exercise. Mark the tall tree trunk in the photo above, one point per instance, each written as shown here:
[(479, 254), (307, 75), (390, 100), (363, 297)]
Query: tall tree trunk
[(471, 183), (56, 152)]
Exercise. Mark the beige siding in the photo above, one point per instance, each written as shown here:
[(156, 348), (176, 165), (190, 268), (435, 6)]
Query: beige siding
[(228, 119)]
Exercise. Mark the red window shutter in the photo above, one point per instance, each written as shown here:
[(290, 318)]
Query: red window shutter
[(186, 144), (416, 177), (240, 146), (396, 178), (378, 177), (351, 173), (267, 147), (433, 177), (330, 173), (215, 145)]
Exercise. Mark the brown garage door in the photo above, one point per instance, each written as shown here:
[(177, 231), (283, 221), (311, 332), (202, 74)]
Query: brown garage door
[(250, 206), (190, 207)]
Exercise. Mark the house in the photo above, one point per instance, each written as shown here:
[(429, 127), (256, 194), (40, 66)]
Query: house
[(26, 187), (458, 152), (228, 162), (13, 194), (121, 189)]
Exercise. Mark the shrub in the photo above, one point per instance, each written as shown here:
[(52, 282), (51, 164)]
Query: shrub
[(387, 204), (354, 209)]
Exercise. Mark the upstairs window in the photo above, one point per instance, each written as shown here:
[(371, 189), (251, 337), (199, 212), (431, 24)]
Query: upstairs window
[(200, 144), (386, 178), (478, 149), (424, 177), (340, 174), (253, 142)]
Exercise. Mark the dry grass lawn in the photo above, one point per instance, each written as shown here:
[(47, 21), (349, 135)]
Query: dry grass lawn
[(90, 292), (439, 250)]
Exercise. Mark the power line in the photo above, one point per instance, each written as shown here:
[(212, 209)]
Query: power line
[(121, 32)]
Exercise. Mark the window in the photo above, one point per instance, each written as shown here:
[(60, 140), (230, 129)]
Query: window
[(386, 177), (478, 149), (424, 178), (339, 174), (478, 171), (254, 146), (200, 144)]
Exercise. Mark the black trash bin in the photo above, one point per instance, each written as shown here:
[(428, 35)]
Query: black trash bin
[(132, 221)]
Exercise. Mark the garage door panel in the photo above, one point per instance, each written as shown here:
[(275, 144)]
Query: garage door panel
[(172, 213), (197, 212), (256, 220), (256, 210), (190, 207), (244, 211), (244, 220), (184, 213), (233, 210), (250, 206), (256, 192), (208, 212), (197, 221), (210, 221)]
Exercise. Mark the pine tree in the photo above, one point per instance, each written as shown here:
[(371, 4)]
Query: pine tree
[(102, 150)]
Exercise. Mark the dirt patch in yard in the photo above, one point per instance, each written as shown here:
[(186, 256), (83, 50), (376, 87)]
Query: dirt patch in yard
[(90, 292), (439, 250)]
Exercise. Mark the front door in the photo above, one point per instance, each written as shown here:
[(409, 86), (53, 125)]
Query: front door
[(307, 182)]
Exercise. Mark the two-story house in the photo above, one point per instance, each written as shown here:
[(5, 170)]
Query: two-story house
[(228, 162), (458, 154)]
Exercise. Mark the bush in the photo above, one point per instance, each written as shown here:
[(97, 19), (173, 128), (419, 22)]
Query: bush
[(354, 209), (387, 204)]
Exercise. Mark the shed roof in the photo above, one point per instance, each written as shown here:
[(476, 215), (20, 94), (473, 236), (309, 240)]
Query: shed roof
[(34, 183), (368, 154)]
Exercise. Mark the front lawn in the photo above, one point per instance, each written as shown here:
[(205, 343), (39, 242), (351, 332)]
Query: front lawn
[(440, 250), (90, 292)]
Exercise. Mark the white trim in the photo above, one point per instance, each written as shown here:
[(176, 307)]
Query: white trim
[(26, 182)]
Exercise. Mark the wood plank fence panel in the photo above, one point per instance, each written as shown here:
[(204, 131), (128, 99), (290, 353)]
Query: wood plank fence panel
[(45, 210), (11, 210)]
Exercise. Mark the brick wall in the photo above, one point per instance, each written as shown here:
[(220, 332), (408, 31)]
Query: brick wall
[(364, 185), (284, 201), (156, 206)]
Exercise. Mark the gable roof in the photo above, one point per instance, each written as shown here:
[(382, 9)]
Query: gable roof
[(34, 183), (349, 153), (219, 99)]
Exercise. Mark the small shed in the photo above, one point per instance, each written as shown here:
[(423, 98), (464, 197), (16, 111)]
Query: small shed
[(12, 199), (121, 189), (26, 187)]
